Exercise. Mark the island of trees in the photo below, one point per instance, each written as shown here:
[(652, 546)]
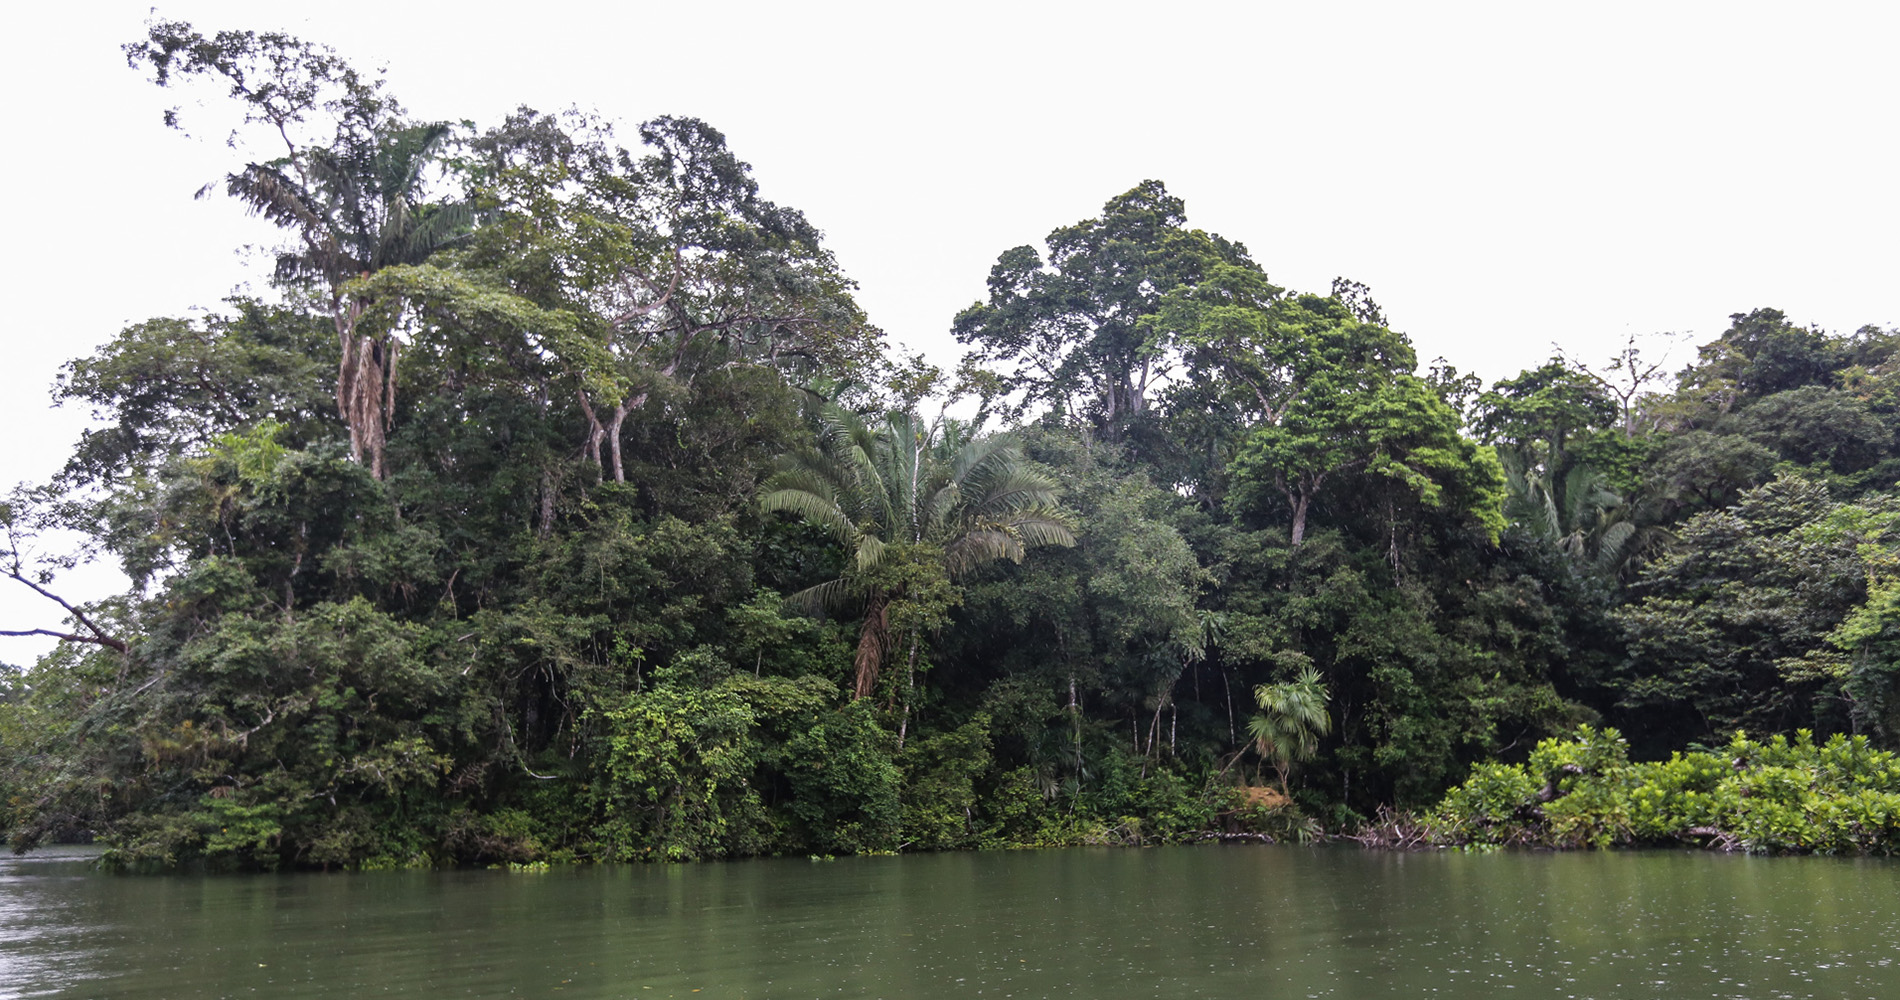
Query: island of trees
[(560, 504)]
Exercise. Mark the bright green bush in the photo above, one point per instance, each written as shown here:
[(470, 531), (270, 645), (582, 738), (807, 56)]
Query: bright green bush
[(1778, 796), (1484, 809)]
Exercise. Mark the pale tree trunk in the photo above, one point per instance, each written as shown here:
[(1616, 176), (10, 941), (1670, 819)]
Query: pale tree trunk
[(617, 466), (1300, 496), (607, 432), (386, 410), (1232, 733), (613, 434), (1075, 723), (365, 388), (348, 370), (596, 432), (910, 688)]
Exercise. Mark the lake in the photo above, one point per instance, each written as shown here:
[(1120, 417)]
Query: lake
[(1232, 921)]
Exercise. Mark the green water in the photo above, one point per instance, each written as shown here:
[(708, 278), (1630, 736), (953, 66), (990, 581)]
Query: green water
[(1273, 922)]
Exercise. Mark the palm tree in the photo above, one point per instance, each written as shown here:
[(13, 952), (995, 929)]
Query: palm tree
[(357, 206), (916, 488), (1292, 719), (1576, 513), (355, 200)]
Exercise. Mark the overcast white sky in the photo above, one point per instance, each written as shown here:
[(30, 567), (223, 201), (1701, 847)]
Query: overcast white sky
[(1503, 175)]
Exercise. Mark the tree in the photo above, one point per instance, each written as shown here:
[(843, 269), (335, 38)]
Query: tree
[(1626, 377), (671, 255), (1541, 413), (356, 199), (1866, 644), (1543, 423), (1819, 427), (1291, 721), (1725, 626), (170, 385), (1760, 354), (909, 501), (1348, 405), (22, 515), (1701, 470), (1578, 515), (1077, 333)]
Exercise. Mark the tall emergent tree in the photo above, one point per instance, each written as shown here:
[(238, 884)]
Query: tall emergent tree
[(352, 186), (1328, 395), (668, 249), (1076, 333)]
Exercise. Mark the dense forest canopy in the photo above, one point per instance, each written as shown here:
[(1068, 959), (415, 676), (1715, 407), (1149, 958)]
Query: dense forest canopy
[(560, 503)]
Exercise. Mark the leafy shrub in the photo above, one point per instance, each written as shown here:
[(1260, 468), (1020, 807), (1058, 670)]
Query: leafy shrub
[(843, 783), (939, 794), (1778, 796)]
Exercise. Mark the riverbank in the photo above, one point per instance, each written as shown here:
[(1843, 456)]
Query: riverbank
[(1778, 796)]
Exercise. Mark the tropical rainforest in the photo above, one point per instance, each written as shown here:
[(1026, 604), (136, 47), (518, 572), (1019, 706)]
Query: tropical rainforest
[(559, 503)]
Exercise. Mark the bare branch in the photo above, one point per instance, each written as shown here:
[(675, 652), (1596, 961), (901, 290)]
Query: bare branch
[(99, 635), (105, 641)]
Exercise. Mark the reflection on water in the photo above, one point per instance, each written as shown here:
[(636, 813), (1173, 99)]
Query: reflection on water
[(41, 948), (1174, 922)]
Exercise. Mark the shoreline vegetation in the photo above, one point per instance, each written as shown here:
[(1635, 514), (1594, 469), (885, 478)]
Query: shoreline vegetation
[(1781, 796), (558, 503)]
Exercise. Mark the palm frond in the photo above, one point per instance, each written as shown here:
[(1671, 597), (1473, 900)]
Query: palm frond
[(939, 508), (977, 547), (1293, 717), (870, 553), (1613, 543), (974, 455), (812, 509), (1043, 527), (831, 595), (1012, 488), (897, 484), (815, 478)]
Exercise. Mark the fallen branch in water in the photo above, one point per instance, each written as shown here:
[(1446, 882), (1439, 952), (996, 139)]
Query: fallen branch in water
[(1720, 840), (1393, 832), (1228, 838)]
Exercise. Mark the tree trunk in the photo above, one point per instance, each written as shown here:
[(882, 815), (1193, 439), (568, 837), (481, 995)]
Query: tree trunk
[(873, 640), (616, 465), (346, 372), (1075, 724), (549, 487), (365, 387), (1232, 735), (1300, 503), (596, 432), (910, 687)]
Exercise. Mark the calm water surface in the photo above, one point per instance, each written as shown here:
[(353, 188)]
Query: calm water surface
[(1177, 922)]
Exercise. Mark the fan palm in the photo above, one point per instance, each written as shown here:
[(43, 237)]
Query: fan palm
[(1292, 719), (907, 485)]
